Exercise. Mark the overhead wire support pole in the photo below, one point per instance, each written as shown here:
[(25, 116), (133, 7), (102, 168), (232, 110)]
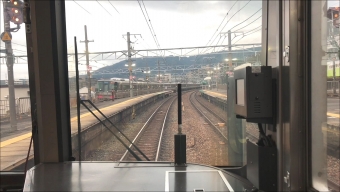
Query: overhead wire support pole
[(87, 62), (229, 48), (129, 63), (229, 52), (129, 60)]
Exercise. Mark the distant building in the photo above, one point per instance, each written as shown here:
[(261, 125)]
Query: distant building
[(164, 78), (18, 82)]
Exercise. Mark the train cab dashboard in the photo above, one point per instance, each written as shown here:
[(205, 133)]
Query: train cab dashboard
[(132, 176)]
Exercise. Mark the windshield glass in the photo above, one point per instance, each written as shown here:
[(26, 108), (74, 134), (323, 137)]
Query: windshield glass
[(131, 57)]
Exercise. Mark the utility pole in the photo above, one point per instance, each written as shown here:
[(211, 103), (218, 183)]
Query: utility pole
[(7, 38), (129, 63), (229, 52), (159, 75), (129, 60), (229, 48), (147, 78), (87, 63), (218, 75)]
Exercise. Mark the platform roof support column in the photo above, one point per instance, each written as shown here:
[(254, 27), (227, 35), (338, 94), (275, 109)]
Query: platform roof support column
[(48, 34)]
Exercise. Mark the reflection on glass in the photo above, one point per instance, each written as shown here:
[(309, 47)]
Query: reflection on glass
[(325, 99), (240, 92), (136, 86)]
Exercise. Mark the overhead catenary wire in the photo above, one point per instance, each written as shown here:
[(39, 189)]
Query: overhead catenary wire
[(224, 39), (82, 7), (246, 35), (248, 24), (103, 7), (147, 46), (256, 30), (222, 22), (235, 14), (231, 18), (113, 6), (244, 26), (152, 31), (153, 36), (246, 19), (227, 23)]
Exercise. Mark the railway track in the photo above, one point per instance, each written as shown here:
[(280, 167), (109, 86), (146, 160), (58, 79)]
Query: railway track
[(250, 135), (211, 111), (149, 138), (195, 104)]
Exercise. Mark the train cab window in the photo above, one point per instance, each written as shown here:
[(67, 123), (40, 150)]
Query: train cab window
[(325, 99), (137, 84)]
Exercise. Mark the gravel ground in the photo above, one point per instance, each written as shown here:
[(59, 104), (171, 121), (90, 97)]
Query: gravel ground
[(221, 124), (252, 132), (148, 140), (113, 150), (333, 169), (204, 146)]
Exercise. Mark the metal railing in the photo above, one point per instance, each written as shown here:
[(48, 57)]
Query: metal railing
[(333, 87), (22, 104)]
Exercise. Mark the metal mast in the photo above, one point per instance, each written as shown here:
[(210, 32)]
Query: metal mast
[(87, 63)]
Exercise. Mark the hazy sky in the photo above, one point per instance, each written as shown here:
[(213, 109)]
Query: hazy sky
[(176, 24)]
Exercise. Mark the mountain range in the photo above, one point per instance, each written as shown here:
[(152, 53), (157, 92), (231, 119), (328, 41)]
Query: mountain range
[(145, 63)]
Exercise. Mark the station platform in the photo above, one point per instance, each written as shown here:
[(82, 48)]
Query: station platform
[(219, 97), (131, 176), (220, 93), (216, 97), (14, 145)]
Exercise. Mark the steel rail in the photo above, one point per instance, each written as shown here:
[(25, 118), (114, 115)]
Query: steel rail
[(142, 129), (210, 122), (160, 137), (205, 107)]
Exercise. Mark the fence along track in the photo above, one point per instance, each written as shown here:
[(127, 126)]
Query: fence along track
[(23, 108)]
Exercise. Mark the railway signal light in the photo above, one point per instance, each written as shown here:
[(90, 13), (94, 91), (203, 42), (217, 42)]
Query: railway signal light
[(333, 15), (14, 11)]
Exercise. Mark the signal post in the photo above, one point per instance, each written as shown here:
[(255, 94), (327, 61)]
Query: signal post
[(12, 11)]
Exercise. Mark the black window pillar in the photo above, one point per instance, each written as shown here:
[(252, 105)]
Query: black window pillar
[(48, 70)]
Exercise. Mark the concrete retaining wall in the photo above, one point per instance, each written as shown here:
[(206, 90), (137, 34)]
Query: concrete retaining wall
[(221, 103)]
